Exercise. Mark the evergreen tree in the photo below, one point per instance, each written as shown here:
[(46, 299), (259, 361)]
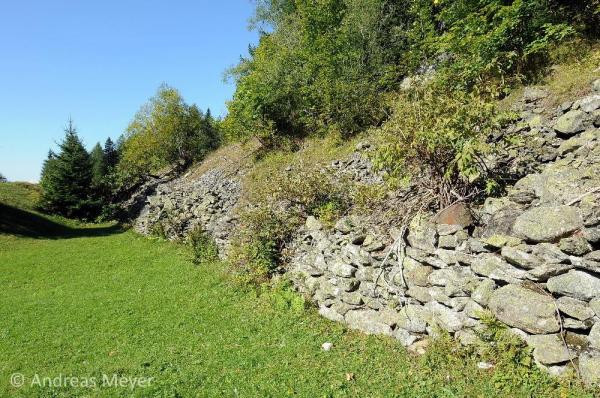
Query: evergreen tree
[(111, 157), (2, 178), (67, 178)]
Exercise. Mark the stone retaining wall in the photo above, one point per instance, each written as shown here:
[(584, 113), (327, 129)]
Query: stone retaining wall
[(531, 258)]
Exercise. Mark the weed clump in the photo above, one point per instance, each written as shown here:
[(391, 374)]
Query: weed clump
[(204, 249)]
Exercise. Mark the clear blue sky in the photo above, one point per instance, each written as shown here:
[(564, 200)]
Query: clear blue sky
[(99, 61)]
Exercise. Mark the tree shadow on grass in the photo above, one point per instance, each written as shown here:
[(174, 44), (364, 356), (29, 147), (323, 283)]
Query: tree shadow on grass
[(15, 221)]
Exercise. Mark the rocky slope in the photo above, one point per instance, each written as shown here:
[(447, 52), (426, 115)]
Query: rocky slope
[(531, 258)]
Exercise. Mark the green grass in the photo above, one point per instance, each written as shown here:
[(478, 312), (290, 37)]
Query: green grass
[(97, 300), (19, 194)]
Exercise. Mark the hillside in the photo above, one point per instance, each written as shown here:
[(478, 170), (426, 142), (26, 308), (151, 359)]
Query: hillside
[(385, 260)]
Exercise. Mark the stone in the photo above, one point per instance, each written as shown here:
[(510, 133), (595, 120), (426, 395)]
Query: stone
[(576, 324), (481, 295), (312, 224), (589, 368), (419, 293), (473, 309), (367, 321), (549, 349), (533, 94), (566, 106), (497, 241), (326, 346), (345, 225), (348, 285), (547, 223), (596, 86), (496, 268), (595, 306), (549, 253), (570, 145), (594, 336), (331, 314), (413, 318), (571, 122), (456, 214), (520, 258), (524, 309), (404, 337), (445, 317), (575, 245), (417, 274), (575, 308), (466, 337), (590, 104), (448, 229), (343, 269), (576, 284), (355, 255), (448, 241), (419, 347), (546, 271), (422, 235), (354, 298), (500, 216)]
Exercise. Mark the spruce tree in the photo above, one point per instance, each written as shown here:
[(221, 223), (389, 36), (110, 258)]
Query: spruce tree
[(67, 178), (111, 157)]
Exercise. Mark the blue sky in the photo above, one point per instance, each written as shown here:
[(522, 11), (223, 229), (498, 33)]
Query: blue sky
[(99, 61)]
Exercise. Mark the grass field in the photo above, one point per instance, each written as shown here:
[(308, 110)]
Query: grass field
[(85, 301)]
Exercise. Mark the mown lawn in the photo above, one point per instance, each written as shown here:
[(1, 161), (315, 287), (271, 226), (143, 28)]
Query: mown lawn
[(97, 300)]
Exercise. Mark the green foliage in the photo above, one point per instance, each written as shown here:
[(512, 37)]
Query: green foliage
[(442, 134), (66, 179), (258, 244), (280, 202), (2, 178), (284, 298), (204, 248), (329, 65), (165, 131)]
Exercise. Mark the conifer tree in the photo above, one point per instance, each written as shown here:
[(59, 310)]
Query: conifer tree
[(67, 177), (111, 157)]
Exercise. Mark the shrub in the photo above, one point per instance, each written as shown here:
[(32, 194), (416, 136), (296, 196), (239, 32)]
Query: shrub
[(259, 243), (441, 135), (204, 249)]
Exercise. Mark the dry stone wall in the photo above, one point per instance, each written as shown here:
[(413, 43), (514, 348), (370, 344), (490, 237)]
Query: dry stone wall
[(531, 258)]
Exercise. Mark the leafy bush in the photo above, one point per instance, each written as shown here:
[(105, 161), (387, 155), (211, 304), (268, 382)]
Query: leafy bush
[(258, 245), (164, 131), (441, 135), (329, 65), (204, 248)]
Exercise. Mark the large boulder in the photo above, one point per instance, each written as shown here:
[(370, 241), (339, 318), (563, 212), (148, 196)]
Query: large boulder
[(422, 235), (496, 268), (577, 284), (548, 223), (367, 321), (524, 309), (571, 122), (456, 214), (589, 368), (549, 349)]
